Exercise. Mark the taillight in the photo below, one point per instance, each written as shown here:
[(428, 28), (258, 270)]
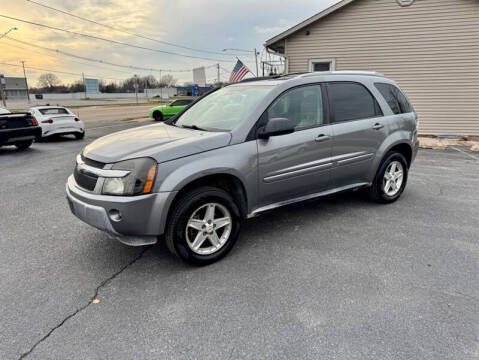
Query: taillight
[(34, 121), (77, 119), (49, 121)]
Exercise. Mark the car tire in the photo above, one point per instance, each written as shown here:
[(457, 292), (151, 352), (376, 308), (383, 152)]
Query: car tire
[(79, 136), (199, 217), (158, 116), (383, 190), (21, 145)]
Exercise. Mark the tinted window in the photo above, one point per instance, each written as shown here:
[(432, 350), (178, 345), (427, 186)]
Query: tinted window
[(181, 102), (303, 106), (53, 111), (395, 98), (351, 101)]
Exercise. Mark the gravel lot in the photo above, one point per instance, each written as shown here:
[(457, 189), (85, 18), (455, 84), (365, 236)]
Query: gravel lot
[(340, 278)]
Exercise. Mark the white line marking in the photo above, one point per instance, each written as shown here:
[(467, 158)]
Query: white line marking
[(462, 151)]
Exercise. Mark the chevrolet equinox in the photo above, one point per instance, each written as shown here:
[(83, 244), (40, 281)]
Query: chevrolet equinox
[(242, 150)]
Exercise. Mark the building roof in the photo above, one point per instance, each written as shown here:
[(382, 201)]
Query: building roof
[(15, 83), (307, 22)]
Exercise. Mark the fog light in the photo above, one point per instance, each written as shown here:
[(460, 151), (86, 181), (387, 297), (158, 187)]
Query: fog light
[(115, 214)]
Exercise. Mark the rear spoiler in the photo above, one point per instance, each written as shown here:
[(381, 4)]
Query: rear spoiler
[(16, 114)]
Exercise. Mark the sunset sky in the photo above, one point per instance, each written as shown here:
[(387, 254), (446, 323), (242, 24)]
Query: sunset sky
[(208, 25)]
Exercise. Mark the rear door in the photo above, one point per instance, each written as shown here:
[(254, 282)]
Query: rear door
[(358, 129), (295, 164)]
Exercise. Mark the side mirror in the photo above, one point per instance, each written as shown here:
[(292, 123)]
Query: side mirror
[(275, 127)]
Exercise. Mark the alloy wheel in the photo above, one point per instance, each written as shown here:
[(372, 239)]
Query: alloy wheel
[(208, 228), (393, 178)]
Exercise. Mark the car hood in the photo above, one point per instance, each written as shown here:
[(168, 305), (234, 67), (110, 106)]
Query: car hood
[(160, 141)]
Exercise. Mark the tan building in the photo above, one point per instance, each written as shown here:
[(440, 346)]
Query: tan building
[(429, 47)]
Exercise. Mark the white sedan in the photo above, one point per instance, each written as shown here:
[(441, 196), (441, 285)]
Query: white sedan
[(57, 120)]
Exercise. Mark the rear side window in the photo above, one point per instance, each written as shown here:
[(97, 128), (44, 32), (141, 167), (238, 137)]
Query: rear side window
[(396, 100), (53, 111), (352, 101)]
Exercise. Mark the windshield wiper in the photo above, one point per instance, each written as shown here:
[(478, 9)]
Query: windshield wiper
[(194, 127)]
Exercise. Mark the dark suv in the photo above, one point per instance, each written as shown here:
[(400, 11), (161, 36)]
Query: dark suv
[(242, 150)]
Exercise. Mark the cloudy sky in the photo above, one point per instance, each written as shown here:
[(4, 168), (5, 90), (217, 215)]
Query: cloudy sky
[(210, 25)]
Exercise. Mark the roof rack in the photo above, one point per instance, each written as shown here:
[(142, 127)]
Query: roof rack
[(260, 78), (314, 73), (344, 72)]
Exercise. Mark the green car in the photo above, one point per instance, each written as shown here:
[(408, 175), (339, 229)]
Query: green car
[(163, 112)]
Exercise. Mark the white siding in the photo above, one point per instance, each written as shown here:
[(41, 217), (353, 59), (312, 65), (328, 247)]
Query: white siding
[(431, 49)]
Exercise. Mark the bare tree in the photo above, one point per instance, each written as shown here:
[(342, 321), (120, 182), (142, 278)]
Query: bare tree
[(168, 80), (48, 80)]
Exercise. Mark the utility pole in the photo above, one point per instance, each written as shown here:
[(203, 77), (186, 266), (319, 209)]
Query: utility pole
[(218, 68), (136, 88), (161, 89), (26, 82), (84, 83), (256, 61), (2, 84)]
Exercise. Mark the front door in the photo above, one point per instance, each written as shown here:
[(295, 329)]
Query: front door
[(359, 129), (299, 163)]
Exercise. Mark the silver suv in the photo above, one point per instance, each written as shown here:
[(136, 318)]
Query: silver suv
[(242, 150)]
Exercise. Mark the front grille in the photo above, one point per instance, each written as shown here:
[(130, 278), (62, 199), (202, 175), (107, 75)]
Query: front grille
[(86, 181)]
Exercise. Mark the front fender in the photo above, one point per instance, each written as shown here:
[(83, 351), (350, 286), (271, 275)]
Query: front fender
[(239, 160), (155, 109)]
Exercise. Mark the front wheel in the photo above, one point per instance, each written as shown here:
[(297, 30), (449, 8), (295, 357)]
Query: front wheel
[(390, 179), (203, 226), (158, 116), (21, 145)]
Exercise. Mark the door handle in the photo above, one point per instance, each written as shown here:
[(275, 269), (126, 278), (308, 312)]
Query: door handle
[(322, 137), (378, 126)]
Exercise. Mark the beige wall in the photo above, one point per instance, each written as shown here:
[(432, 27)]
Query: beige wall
[(431, 49)]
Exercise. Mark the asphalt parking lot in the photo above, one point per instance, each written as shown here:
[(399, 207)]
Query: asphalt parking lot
[(340, 278)]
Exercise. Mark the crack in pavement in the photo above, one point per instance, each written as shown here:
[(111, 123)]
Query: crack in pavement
[(80, 309)]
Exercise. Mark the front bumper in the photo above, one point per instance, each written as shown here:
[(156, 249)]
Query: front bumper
[(133, 220)]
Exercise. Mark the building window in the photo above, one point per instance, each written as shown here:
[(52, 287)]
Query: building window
[(322, 65)]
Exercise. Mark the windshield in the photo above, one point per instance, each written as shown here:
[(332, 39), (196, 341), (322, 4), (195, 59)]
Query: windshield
[(225, 108)]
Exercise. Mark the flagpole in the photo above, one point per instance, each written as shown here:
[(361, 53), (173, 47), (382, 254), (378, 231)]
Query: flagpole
[(237, 58)]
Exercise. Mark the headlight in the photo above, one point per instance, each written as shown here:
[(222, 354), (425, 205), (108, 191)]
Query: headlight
[(139, 181)]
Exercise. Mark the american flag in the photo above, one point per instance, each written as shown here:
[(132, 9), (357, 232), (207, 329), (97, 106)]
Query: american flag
[(239, 72)]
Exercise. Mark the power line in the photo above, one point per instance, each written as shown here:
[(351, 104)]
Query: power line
[(125, 31), (112, 41), (58, 71), (133, 67), (77, 62)]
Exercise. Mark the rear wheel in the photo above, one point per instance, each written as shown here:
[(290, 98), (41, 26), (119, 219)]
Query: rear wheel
[(158, 116), (79, 136), (21, 145), (203, 226), (390, 179)]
